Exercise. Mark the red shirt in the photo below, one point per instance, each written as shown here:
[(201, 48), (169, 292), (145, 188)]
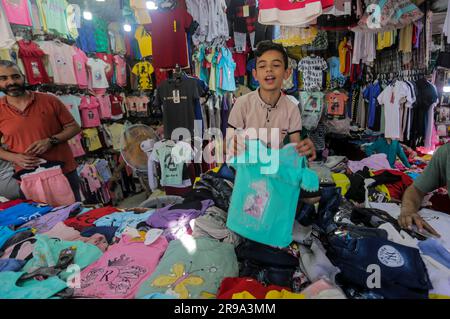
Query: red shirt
[(31, 56), (87, 219), (169, 37), (43, 117)]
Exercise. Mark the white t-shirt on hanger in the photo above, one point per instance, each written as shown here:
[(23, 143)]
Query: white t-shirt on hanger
[(97, 73)]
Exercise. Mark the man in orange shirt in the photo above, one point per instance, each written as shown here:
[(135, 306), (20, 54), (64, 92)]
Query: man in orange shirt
[(35, 126)]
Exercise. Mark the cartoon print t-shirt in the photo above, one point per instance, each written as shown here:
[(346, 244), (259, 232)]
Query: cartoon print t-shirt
[(97, 73), (144, 71), (312, 107)]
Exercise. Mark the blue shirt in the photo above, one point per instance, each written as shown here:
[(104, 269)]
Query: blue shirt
[(371, 94), (266, 190), (86, 37), (22, 213)]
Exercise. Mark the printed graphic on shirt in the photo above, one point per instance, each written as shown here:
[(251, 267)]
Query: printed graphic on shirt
[(255, 204), (144, 71), (312, 106), (35, 69), (121, 274), (312, 68), (390, 256), (179, 281)]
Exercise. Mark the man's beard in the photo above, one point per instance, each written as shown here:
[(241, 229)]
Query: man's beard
[(14, 90)]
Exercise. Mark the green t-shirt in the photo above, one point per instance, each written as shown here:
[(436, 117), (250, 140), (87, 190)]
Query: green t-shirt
[(101, 35), (437, 173)]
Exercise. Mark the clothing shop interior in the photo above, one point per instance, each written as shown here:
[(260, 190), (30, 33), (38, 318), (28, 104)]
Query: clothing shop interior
[(129, 167)]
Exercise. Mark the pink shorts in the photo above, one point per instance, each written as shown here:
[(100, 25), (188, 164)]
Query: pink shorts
[(49, 186)]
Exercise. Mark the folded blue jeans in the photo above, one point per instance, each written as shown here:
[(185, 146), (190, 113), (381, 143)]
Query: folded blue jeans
[(402, 271)]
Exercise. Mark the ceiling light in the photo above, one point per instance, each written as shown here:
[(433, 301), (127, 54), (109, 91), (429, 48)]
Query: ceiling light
[(87, 15), (151, 5), (127, 27), (100, 0)]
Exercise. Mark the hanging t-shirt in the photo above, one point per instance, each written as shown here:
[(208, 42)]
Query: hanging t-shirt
[(144, 71), (171, 170), (73, 14), (169, 37), (101, 35), (76, 146), (262, 191), (312, 68), (89, 109), (371, 94), (55, 16), (105, 107), (7, 39), (336, 102), (31, 56), (141, 106), (108, 59), (177, 98), (312, 104), (72, 102), (186, 272), (61, 61), (79, 63), (144, 40), (86, 37), (391, 97), (17, 11), (115, 131), (116, 107), (92, 139), (288, 12), (121, 71), (118, 44), (97, 73)]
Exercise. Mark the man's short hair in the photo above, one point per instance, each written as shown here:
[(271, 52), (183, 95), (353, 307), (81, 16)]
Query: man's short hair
[(7, 64), (268, 45)]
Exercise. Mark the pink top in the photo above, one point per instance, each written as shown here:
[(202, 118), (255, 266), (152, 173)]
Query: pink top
[(121, 270), (60, 56), (76, 146), (17, 11), (79, 63), (121, 71), (141, 104), (90, 173), (89, 109), (105, 107)]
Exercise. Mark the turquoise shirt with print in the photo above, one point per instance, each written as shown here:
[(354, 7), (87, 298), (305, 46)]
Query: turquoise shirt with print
[(46, 253), (266, 191), (29, 289)]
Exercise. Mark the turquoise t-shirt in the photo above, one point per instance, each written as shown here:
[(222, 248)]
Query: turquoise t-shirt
[(30, 289), (192, 269), (266, 191), (46, 254)]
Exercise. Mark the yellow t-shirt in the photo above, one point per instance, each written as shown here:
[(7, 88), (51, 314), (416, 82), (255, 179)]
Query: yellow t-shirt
[(342, 182), (406, 35), (92, 139), (115, 131), (144, 70), (144, 40)]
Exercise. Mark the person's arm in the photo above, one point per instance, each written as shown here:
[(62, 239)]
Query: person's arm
[(411, 201), (42, 146), (70, 129)]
